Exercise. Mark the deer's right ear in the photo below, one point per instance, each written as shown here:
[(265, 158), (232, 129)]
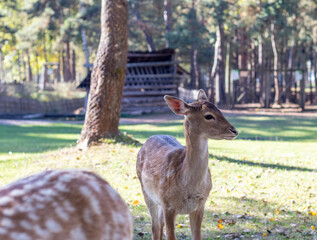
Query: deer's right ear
[(178, 106)]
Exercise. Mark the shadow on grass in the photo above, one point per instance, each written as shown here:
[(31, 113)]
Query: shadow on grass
[(34, 139), (263, 165)]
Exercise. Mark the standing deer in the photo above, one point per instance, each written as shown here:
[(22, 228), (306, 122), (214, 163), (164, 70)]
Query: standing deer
[(63, 205), (176, 179)]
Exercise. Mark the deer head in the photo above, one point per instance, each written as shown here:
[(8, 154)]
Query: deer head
[(202, 117)]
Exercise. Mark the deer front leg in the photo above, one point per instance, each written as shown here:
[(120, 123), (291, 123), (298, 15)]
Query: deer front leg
[(195, 223), (157, 224), (169, 216)]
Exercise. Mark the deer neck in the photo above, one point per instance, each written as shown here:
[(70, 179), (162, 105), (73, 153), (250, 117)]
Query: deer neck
[(196, 159)]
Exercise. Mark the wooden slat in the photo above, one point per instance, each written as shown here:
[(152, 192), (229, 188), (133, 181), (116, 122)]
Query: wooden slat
[(152, 64), (126, 105), (149, 82), (149, 93), (149, 54), (165, 75), (139, 87), (142, 99)]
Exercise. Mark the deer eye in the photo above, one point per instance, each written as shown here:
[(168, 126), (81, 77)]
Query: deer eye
[(209, 117)]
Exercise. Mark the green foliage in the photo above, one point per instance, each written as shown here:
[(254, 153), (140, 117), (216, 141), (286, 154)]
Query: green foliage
[(29, 25)]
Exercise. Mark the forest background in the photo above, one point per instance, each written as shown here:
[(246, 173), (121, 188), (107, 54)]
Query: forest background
[(211, 38)]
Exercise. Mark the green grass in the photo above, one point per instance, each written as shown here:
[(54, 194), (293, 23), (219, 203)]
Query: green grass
[(264, 182)]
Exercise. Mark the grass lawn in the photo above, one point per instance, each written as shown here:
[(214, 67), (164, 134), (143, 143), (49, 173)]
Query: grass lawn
[(264, 182)]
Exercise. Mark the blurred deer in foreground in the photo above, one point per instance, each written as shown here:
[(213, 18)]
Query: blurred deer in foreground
[(176, 179), (63, 205)]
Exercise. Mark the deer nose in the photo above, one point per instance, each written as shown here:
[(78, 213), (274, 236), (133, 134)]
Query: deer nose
[(233, 130)]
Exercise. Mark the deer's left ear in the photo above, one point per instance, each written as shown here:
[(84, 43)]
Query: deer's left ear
[(178, 106), (202, 95)]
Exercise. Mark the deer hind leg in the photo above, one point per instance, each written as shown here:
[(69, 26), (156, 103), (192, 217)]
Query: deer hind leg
[(157, 225), (169, 216), (196, 219)]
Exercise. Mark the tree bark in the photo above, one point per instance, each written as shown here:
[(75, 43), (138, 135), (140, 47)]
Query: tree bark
[(275, 65), (107, 80)]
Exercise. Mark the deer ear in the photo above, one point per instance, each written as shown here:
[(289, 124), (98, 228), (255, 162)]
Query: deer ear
[(202, 95), (178, 106)]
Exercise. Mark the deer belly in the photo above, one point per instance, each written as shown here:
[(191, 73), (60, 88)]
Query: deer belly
[(190, 203)]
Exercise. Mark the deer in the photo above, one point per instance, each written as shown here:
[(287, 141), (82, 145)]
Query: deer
[(63, 205), (175, 179)]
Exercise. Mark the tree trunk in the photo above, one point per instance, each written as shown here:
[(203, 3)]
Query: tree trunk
[(315, 72), (84, 39), (194, 73), (228, 75), (275, 65), (303, 80), (142, 25), (1, 66), (221, 67), (211, 90), (30, 75), (64, 70), (261, 76), (73, 65), (107, 80), (243, 66), (37, 68), (45, 76), (19, 65), (67, 63), (289, 79), (167, 20), (25, 78)]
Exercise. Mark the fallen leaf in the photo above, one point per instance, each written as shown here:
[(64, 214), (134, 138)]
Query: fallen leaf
[(135, 203), (220, 226)]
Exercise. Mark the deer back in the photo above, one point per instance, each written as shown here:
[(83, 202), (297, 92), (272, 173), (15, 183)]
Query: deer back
[(60, 205)]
